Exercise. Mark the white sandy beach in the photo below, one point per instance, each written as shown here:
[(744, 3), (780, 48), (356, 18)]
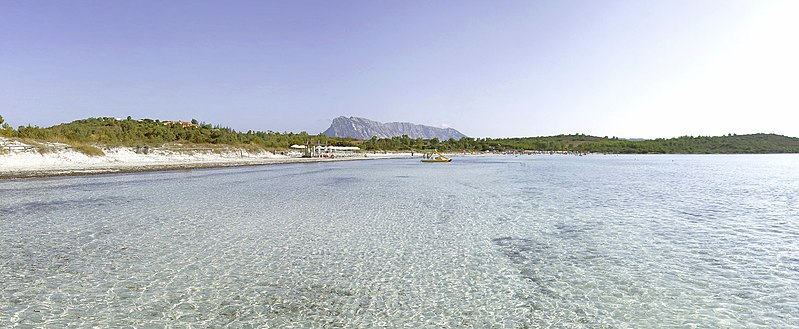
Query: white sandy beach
[(20, 162)]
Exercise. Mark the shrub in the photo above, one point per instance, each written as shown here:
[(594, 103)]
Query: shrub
[(87, 149), (253, 148)]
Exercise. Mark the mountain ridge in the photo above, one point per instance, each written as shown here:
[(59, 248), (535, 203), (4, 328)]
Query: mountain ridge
[(362, 128)]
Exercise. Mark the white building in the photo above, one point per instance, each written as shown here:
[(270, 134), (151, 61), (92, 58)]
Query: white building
[(336, 151)]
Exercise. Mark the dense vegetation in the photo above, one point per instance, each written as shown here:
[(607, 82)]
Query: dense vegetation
[(129, 132), (757, 143)]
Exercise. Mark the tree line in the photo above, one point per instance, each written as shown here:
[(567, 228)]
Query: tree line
[(130, 132), (754, 143)]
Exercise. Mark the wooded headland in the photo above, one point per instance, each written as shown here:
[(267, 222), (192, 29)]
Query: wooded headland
[(88, 134)]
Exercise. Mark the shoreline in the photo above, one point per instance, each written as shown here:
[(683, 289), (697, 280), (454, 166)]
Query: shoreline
[(72, 172), (64, 164), (31, 164)]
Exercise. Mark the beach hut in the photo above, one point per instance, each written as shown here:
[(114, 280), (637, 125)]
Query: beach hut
[(336, 151), (297, 150)]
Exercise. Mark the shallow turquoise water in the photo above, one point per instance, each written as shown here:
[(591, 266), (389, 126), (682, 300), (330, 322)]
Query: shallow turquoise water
[(507, 242)]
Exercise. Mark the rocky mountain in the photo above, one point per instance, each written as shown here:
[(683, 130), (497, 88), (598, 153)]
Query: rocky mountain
[(361, 128)]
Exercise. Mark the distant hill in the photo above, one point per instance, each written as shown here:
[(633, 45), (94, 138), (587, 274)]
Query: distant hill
[(753, 143), (361, 128)]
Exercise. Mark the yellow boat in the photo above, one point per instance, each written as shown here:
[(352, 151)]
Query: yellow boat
[(439, 158)]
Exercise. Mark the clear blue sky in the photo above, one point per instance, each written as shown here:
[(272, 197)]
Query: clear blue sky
[(488, 68)]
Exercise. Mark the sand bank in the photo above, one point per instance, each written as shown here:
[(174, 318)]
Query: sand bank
[(20, 162)]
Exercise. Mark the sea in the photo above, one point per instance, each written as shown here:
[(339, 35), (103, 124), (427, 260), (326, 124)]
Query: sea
[(543, 241)]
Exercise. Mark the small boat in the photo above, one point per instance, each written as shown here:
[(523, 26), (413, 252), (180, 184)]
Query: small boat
[(438, 158)]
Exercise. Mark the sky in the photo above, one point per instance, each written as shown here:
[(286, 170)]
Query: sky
[(633, 69)]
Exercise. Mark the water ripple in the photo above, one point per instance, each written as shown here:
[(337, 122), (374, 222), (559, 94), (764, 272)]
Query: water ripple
[(499, 242)]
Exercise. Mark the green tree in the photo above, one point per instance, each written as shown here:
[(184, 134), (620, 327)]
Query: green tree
[(6, 130)]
